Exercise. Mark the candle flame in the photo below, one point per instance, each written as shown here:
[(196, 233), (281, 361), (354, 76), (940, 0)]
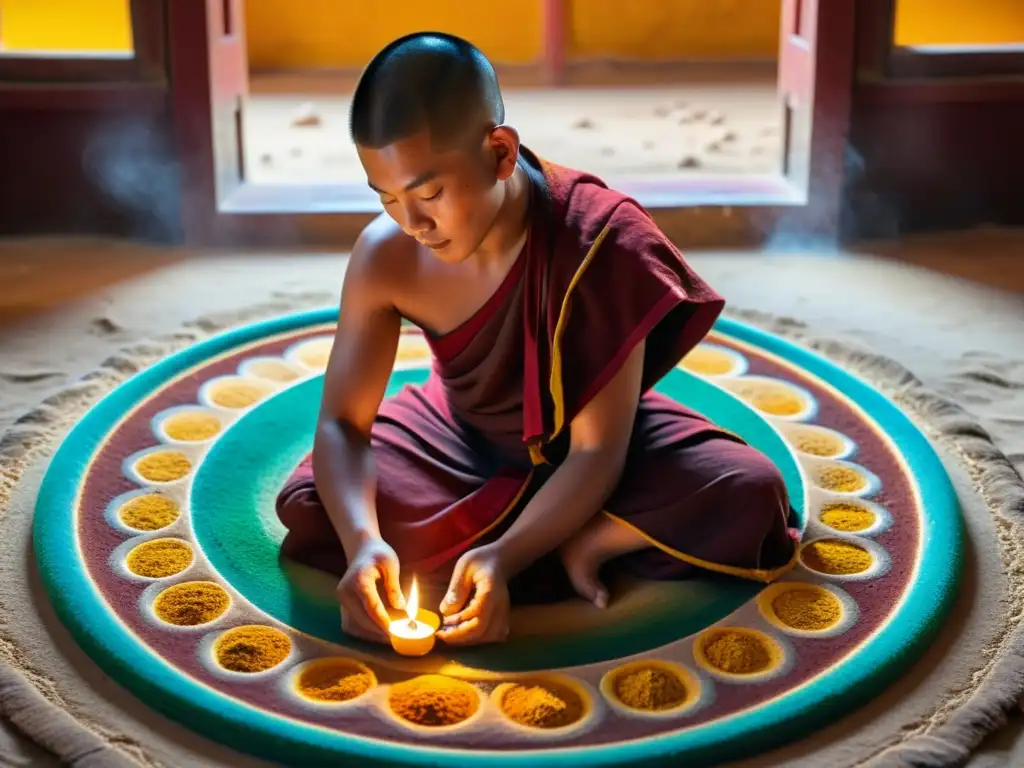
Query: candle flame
[(412, 605)]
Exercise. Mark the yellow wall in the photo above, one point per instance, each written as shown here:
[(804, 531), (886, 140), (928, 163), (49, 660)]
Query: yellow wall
[(65, 25), (674, 29), (959, 22)]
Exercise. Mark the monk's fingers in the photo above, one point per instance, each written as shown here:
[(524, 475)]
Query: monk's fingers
[(370, 599), (476, 607), (464, 634), (458, 588), (389, 570)]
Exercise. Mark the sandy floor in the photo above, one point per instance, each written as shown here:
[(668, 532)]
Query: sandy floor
[(645, 131), (950, 309)]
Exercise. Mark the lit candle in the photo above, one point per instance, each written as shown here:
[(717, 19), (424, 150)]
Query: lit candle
[(414, 635)]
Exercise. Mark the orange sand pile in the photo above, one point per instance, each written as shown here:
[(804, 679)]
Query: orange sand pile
[(191, 603), (434, 700), (650, 688), (542, 704), (736, 652), (847, 517), (192, 427), (334, 680), (149, 512), (163, 466), (807, 608), (838, 558), (252, 649), (159, 558)]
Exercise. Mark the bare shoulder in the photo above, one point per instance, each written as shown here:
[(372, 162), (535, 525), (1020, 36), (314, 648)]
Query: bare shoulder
[(382, 256)]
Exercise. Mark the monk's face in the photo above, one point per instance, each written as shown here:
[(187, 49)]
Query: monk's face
[(447, 199)]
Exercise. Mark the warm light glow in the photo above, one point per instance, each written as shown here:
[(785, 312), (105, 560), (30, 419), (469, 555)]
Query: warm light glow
[(412, 605)]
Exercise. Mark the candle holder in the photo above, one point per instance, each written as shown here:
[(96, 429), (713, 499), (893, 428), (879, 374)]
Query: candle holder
[(414, 635)]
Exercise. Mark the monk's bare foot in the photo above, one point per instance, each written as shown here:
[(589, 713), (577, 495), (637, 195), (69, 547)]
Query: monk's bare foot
[(600, 540)]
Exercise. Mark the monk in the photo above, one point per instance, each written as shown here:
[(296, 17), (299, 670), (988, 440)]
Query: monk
[(536, 454)]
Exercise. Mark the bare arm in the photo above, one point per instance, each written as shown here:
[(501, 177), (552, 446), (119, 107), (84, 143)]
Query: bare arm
[(581, 485), (354, 385)]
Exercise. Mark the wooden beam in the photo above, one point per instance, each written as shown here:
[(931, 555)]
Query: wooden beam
[(554, 25)]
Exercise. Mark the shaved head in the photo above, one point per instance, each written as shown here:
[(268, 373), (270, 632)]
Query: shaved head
[(426, 82)]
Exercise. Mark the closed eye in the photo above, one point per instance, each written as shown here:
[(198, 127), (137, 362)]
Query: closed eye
[(436, 195)]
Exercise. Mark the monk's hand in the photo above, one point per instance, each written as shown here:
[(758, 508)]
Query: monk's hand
[(363, 612), (476, 608)]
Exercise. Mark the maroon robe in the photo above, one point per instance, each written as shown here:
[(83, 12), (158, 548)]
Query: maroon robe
[(459, 457)]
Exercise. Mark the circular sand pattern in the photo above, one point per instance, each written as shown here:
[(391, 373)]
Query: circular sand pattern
[(545, 702), (160, 558), (333, 681), (434, 701), (737, 653), (163, 466), (714, 360), (192, 603), (191, 426), (713, 662), (251, 649), (148, 512), (651, 689)]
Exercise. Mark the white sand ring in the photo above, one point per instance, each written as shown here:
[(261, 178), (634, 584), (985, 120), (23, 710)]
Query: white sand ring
[(251, 369), (781, 652), (739, 363), (849, 610), (176, 494), (820, 499), (790, 430), (881, 562), (208, 392), (702, 690), (207, 655), (809, 405), (813, 465), (592, 713), (119, 558), (147, 607), (161, 419), (130, 465), (290, 685), (310, 354)]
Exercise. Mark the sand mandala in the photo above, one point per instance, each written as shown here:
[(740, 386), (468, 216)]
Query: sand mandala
[(159, 546)]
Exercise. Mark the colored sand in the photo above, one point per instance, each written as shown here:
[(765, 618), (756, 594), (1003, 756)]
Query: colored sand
[(434, 700), (650, 688), (149, 512), (252, 649), (192, 427), (772, 399), (738, 653), (272, 370), (847, 517), (316, 353), (710, 362), (807, 609), (542, 704), (163, 466), (334, 680), (237, 394), (836, 557), (840, 479), (817, 443), (191, 603), (160, 558)]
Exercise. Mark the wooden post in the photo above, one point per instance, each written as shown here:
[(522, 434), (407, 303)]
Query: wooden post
[(554, 31)]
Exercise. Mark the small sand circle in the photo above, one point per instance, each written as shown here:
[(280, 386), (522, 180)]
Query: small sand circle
[(272, 370), (149, 512), (252, 649), (434, 700), (775, 398), (237, 393), (315, 353), (807, 607), (738, 651), (163, 466), (839, 478), (334, 680), (847, 517), (192, 603), (649, 687), (816, 442), (159, 558), (709, 361), (836, 558), (191, 426), (542, 703)]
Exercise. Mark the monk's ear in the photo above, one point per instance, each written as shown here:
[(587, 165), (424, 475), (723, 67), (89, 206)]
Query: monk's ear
[(505, 145)]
